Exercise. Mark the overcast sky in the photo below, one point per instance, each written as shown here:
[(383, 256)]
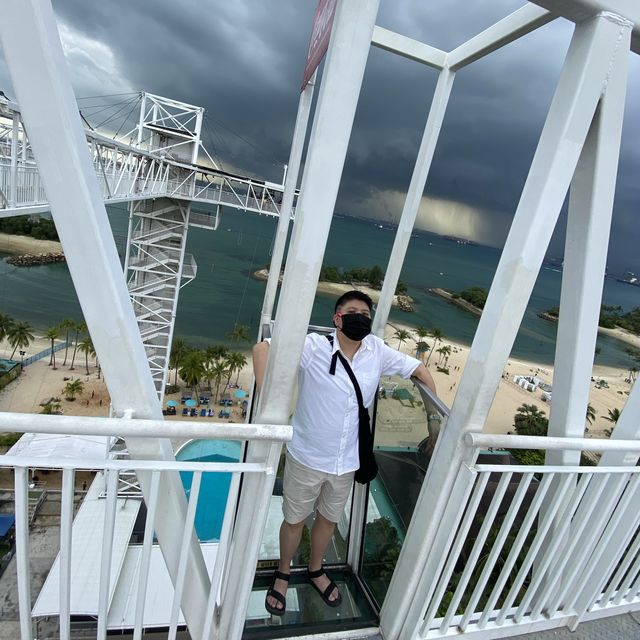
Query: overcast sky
[(243, 59)]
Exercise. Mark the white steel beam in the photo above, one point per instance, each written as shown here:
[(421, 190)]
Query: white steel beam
[(514, 26), (581, 83), (579, 10), (343, 72), (414, 198), (291, 180), (39, 77), (408, 48), (585, 254)]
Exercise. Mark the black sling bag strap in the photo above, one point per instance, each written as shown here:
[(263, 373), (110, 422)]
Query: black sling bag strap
[(368, 466)]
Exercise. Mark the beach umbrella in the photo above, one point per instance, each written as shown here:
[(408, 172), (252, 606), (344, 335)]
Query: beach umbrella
[(239, 394), (172, 403), (191, 403)]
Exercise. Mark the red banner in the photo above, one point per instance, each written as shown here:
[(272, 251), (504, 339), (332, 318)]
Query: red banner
[(322, 23)]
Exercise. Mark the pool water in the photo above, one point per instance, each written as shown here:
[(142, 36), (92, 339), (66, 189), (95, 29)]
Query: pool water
[(214, 487)]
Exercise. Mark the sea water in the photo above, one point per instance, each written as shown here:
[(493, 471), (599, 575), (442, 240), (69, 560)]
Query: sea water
[(224, 293)]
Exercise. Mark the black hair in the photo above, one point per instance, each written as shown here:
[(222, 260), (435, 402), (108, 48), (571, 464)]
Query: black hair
[(354, 295)]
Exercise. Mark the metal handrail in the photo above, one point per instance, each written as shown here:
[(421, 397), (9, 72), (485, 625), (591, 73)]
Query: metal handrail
[(131, 427), (499, 441)]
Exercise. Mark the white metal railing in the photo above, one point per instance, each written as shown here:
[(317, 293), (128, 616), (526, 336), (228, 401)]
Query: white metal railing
[(536, 547), (112, 470)]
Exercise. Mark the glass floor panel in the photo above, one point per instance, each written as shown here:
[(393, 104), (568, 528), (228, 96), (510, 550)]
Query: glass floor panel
[(306, 612)]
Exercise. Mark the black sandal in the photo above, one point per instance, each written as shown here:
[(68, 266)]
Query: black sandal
[(278, 575), (328, 591)]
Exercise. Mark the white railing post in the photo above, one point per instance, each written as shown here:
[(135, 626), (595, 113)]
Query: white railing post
[(23, 572)]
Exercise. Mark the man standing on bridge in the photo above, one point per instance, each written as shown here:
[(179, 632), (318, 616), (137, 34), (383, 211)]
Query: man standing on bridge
[(323, 457)]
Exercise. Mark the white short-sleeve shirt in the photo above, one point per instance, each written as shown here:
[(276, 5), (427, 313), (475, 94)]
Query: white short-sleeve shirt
[(325, 422)]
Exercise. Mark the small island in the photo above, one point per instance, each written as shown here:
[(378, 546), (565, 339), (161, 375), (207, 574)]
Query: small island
[(333, 282), (472, 299), (612, 322)]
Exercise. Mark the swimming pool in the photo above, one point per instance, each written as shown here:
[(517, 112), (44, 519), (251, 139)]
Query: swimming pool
[(215, 486)]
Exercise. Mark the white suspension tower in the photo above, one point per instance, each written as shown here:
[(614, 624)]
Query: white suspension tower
[(156, 265)]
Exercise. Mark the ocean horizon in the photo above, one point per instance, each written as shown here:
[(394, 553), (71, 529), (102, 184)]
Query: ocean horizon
[(224, 292)]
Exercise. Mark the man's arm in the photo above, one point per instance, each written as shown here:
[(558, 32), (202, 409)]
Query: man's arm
[(260, 355), (422, 373)]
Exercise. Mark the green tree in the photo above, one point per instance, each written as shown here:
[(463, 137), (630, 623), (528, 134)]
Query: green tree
[(240, 333), (179, 348), (20, 336), (590, 414), (477, 296), (218, 372), (437, 336), (67, 325), (401, 335), (376, 276), (73, 389), (52, 333), (530, 421), (237, 361), (5, 325), (80, 327), (614, 415), (192, 368), (86, 347)]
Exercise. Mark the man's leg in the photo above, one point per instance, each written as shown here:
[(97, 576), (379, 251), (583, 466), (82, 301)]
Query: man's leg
[(321, 534), (290, 535)]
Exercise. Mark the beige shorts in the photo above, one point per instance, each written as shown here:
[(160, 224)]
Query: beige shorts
[(305, 489)]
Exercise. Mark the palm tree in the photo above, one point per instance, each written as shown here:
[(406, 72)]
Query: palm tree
[(614, 415), (192, 368), (73, 389), (67, 325), (236, 361), (179, 349), (530, 421), (422, 332), (5, 324), (218, 371), (401, 335), (591, 414), (80, 327), (240, 333), (52, 333), (437, 335), (445, 352), (20, 336), (86, 347)]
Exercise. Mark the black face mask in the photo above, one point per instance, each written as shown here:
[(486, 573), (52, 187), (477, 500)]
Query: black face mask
[(356, 326)]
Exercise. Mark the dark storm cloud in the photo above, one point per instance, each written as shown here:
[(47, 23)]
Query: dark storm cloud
[(243, 60)]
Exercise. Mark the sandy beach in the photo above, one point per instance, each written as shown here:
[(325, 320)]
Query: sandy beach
[(400, 423), (19, 245)]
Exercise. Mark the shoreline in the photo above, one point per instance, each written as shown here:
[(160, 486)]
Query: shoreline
[(620, 334), (338, 288), (19, 245)]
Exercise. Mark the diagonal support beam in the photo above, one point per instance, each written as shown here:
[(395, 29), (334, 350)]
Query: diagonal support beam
[(39, 77)]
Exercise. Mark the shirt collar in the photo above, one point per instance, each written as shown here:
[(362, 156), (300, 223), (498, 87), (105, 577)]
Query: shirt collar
[(365, 344)]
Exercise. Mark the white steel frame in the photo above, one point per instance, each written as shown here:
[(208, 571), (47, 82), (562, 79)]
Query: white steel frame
[(579, 141)]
